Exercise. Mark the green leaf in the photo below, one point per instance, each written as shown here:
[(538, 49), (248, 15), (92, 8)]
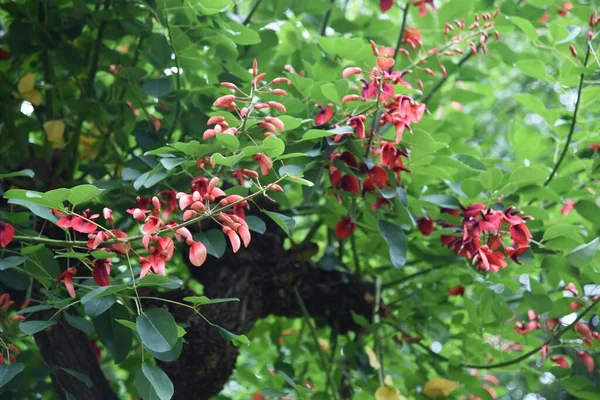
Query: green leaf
[(290, 123), (157, 87), (82, 377), (37, 209), (152, 383), (442, 200), (470, 161), (102, 291), (83, 193), (202, 300), (312, 134), (7, 372), (155, 280), (213, 240), (256, 224), (114, 336), (274, 146), (230, 142), (534, 68), (396, 240), (32, 327), (286, 223), (219, 159), (586, 208), (37, 308), (237, 340), (330, 92), (25, 172), (80, 323), (11, 262), (584, 254), (491, 180), (525, 26), (157, 329), (97, 306), (128, 324)]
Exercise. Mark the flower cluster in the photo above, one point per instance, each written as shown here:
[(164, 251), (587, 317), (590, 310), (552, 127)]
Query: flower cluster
[(482, 233), (8, 322), (244, 105)]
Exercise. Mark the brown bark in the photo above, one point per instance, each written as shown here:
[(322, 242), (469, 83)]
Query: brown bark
[(67, 347), (263, 277)]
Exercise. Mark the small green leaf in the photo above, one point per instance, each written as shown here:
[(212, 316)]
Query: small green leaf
[(256, 224), (442, 200), (155, 280), (219, 159), (80, 323), (11, 262), (491, 180), (286, 223), (157, 329), (128, 324), (230, 142), (25, 172), (237, 340), (214, 241), (33, 327), (525, 26), (7, 372), (83, 193), (584, 254), (152, 383), (115, 337), (396, 240)]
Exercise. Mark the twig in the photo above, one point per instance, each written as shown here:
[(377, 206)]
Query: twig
[(573, 121), (316, 339), (376, 320), (409, 277), (441, 82), (325, 19), (252, 11), (402, 28), (177, 79)]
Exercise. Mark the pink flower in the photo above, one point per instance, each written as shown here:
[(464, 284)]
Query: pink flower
[(264, 163), (107, 213), (560, 361), (324, 115), (152, 225), (197, 254), (385, 5), (568, 207), (587, 360)]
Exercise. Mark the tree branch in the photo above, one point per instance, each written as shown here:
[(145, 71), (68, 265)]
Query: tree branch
[(402, 28), (573, 121)]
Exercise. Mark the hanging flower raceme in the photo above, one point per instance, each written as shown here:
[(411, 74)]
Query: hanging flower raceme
[(483, 233), (7, 232), (101, 272), (81, 223), (422, 4), (412, 37)]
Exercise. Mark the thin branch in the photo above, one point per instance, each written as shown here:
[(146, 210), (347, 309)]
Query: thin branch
[(325, 19), (411, 276), (316, 339), (376, 320), (573, 121), (402, 28), (441, 82), (516, 360), (251, 13)]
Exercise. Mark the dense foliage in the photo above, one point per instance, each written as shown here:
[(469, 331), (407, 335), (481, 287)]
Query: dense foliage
[(391, 199)]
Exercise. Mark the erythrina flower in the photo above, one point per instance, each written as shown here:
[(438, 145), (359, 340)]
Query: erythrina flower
[(7, 232), (345, 228), (422, 4), (568, 207), (67, 277), (587, 360), (564, 9), (324, 115), (560, 361), (572, 288), (456, 291), (385, 5), (544, 351), (358, 124), (412, 37), (349, 183), (425, 225), (101, 272), (197, 254), (264, 163)]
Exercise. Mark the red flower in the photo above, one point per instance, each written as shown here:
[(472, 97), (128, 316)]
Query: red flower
[(489, 260), (520, 235), (594, 146), (587, 359), (385, 5), (473, 210), (345, 228), (4, 55), (412, 37), (378, 177), (564, 10), (456, 291), (572, 288), (264, 163), (425, 225), (381, 201), (7, 232), (422, 4), (197, 254), (152, 225), (349, 183), (544, 18), (324, 115), (358, 124), (568, 207), (67, 277), (101, 272), (560, 361)]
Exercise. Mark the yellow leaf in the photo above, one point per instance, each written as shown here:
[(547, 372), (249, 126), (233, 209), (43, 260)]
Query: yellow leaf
[(26, 84), (55, 130), (373, 361), (27, 90), (388, 393), (439, 387)]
